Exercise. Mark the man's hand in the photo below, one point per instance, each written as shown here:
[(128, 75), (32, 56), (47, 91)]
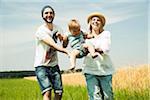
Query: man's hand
[(60, 36), (65, 41)]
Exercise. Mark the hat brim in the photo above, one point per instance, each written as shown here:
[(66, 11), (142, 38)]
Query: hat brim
[(96, 14)]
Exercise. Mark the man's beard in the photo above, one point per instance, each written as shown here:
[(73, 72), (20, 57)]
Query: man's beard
[(48, 21)]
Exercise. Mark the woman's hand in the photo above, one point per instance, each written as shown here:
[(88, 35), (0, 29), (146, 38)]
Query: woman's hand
[(99, 51)]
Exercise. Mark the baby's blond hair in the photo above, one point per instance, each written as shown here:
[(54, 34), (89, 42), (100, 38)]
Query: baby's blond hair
[(73, 24)]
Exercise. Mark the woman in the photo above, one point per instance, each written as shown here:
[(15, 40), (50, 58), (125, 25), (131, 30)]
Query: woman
[(98, 71)]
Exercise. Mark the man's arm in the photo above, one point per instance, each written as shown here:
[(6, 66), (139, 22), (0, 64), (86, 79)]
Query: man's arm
[(50, 42)]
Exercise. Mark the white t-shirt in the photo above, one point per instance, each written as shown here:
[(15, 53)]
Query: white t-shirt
[(98, 66), (45, 55)]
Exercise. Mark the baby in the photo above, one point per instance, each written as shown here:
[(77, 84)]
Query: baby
[(76, 39)]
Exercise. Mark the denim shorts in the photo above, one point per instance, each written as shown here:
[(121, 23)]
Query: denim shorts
[(99, 87), (49, 78), (83, 52)]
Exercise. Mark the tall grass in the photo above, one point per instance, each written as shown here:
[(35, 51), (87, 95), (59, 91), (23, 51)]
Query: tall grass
[(135, 78), (132, 83)]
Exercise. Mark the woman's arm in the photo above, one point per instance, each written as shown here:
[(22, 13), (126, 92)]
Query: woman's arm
[(87, 36)]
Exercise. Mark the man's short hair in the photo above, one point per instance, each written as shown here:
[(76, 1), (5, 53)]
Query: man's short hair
[(47, 6)]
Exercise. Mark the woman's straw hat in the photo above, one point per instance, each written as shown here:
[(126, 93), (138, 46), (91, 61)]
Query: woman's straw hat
[(96, 14)]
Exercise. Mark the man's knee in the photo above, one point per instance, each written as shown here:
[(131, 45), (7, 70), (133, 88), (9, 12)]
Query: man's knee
[(58, 96), (47, 94), (59, 92)]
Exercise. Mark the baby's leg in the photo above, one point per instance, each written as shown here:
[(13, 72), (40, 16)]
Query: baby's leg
[(91, 49), (73, 56)]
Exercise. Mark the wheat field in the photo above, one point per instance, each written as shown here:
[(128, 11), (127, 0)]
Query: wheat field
[(131, 77)]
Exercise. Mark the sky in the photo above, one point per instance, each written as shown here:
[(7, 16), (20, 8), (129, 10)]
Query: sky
[(126, 20)]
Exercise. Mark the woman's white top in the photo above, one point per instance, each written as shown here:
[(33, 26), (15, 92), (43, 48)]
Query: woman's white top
[(99, 65)]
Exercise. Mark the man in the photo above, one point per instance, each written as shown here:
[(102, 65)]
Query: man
[(46, 60)]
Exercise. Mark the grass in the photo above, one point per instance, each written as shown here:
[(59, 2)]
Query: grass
[(127, 94), (75, 93), (22, 89), (19, 89), (129, 83)]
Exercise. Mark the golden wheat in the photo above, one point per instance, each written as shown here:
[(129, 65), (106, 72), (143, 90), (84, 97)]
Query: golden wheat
[(128, 77), (132, 77)]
